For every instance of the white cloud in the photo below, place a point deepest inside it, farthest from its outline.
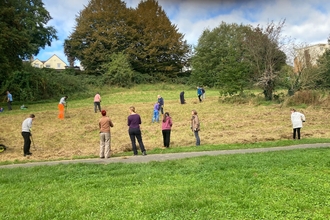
(307, 21)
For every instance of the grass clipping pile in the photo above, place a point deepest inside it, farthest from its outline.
(78, 134)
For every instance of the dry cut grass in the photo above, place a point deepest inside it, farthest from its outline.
(78, 134)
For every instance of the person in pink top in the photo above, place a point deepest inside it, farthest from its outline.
(166, 129)
(97, 102)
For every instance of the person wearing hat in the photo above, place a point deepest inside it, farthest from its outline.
(105, 138)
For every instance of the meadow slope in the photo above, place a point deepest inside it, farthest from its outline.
(77, 135)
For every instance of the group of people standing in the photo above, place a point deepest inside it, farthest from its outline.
(133, 122)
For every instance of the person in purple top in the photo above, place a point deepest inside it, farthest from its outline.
(155, 116)
(133, 122)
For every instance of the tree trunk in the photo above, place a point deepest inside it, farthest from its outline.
(268, 91)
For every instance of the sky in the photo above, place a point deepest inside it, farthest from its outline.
(306, 21)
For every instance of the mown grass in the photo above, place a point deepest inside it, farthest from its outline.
(273, 185)
(223, 125)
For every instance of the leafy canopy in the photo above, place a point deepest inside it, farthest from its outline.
(23, 33)
(145, 34)
(220, 59)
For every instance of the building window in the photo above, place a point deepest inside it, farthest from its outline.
(36, 65)
(47, 65)
(58, 65)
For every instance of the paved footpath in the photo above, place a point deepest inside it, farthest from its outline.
(170, 156)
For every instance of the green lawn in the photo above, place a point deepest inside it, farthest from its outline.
(274, 185)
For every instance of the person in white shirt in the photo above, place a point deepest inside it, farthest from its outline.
(297, 120)
(26, 133)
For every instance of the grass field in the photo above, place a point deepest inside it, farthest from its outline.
(274, 185)
(222, 125)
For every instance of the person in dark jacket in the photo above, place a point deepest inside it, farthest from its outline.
(161, 104)
(182, 100)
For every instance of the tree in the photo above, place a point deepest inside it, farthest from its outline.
(220, 59)
(145, 34)
(264, 48)
(304, 73)
(324, 70)
(67, 52)
(23, 33)
(102, 29)
(158, 46)
(118, 71)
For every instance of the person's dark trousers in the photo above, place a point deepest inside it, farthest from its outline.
(27, 142)
(182, 98)
(199, 97)
(166, 137)
(9, 105)
(162, 110)
(296, 130)
(97, 105)
(198, 140)
(136, 133)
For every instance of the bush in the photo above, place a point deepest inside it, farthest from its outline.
(34, 84)
(307, 97)
(242, 98)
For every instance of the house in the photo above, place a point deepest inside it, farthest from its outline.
(54, 62)
(307, 56)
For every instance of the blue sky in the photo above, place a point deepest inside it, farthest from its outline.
(307, 21)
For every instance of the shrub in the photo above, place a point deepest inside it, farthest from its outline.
(307, 97)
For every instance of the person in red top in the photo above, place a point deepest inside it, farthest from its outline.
(166, 129)
(97, 102)
(104, 124)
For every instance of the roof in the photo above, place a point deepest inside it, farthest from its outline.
(57, 57)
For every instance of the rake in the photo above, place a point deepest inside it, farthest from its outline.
(34, 147)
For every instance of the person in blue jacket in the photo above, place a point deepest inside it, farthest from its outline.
(199, 93)
(9, 100)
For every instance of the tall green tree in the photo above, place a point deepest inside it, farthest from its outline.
(24, 31)
(220, 59)
(323, 66)
(158, 46)
(264, 46)
(102, 28)
(145, 34)
(118, 71)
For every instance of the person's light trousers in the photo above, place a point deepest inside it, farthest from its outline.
(105, 145)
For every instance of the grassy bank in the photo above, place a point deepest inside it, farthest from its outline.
(223, 125)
